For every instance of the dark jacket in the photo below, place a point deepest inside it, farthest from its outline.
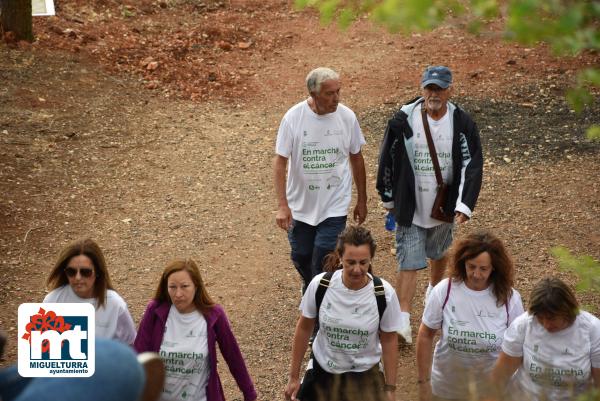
(396, 178)
(150, 336)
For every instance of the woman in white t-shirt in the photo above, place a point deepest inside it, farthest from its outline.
(184, 325)
(356, 331)
(472, 308)
(554, 348)
(80, 276)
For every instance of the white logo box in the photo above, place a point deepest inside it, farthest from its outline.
(44, 327)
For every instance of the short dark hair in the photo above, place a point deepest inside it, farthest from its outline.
(352, 235)
(89, 248)
(502, 276)
(552, 297)
(202, 300)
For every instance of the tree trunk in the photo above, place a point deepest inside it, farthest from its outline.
(16, 18)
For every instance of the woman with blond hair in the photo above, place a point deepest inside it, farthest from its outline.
(183, 324)
(472, 309)
(80, 276)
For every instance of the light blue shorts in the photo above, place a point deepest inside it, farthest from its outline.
(415, 244)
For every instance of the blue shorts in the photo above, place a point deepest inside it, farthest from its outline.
(415, 244)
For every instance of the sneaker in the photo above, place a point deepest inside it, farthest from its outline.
(155, 375)
(405, 335)
(427, 292)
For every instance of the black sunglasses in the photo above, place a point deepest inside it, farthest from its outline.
(84, 271)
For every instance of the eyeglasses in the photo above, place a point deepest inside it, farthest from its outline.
(85, 272)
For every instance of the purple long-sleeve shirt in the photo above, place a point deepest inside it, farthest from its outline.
(150, 335)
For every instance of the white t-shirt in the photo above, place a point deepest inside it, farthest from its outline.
(425, 183)
(113, 320)
(319, 179)
(472, 330)
(184, 350)
(348, 337)
(556, 366)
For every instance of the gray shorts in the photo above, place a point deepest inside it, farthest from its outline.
(415, 244)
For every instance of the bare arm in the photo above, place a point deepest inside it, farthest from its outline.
(357, 164)
(284, 214)
(389, 348)
(503, 370)
(304, 329)
(424, 360)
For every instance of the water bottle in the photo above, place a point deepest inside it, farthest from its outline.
(390, 222)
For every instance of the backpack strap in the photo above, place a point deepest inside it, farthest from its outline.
(323, 286)
(379, 296)
(378, 289)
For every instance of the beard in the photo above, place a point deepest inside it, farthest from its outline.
(434, 104)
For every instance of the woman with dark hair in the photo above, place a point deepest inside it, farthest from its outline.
(80, 275)
(358, 316)
(472, 308)
(554, 348)
(183, 324)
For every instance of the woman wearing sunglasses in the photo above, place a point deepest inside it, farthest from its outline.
(79, 276)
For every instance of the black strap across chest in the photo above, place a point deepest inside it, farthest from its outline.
(377, 289)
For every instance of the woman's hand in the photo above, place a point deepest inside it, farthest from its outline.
(291, 389)
(425, 391)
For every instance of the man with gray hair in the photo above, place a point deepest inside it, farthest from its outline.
(411, 182)
(322, 141)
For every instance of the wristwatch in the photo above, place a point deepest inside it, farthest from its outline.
(389, 387)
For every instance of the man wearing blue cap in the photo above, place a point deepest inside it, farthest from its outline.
(408, 181)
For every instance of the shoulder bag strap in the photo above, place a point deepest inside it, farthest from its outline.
(447, 293)
(432, 152)
(446, 300)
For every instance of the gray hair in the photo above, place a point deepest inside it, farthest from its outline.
(316, 77)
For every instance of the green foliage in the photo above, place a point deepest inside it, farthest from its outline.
(568, 26)
(585, 267)
(592, 395)
(593, 133)
(127, 12)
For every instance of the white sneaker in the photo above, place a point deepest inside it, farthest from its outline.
(405, 334)
(427, 292)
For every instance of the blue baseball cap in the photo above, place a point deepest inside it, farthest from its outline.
(437, 75)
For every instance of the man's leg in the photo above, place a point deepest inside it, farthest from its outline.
(439, 239)
(410, 254)
(438, 269)
(302, 238)
(325, 240)
(406, 283)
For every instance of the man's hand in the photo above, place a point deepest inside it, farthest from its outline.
(284, 217)
(460, 218)
(360, 212)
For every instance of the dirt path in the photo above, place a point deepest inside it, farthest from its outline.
(85, 151)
